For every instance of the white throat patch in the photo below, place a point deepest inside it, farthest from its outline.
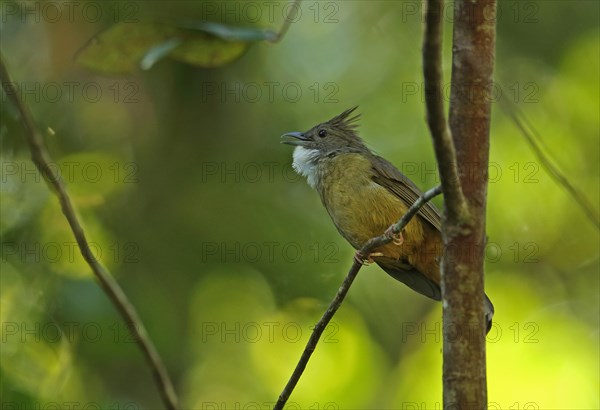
(305, 164)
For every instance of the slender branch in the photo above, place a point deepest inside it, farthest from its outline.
(370, 245)
(289, 19)
(316, 335)
(41, 159)
(445, 152)
(553, 170)
(399, 226)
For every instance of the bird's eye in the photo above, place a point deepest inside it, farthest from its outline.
(322, 133)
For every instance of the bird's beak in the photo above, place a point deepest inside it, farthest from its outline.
(294, 138)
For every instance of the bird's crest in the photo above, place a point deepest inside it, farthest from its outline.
(344, 120)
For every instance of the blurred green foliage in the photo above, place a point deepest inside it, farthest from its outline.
(124, 47)
(188, 197)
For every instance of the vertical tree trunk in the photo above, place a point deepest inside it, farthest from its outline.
(464, 372)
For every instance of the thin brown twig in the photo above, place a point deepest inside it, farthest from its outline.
(343, 290)
(445, 152)
(41, 159)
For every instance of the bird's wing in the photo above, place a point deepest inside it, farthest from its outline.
(411, 277)
(389, 177)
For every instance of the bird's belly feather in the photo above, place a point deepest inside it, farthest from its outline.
(362, 209)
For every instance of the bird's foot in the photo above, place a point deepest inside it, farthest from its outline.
(366, 260)
(397, 238)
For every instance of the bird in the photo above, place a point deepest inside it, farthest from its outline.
(364, 194)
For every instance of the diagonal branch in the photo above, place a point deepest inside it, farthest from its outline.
(445, 152)
(41, 159)
(530, 134)
(343, 290)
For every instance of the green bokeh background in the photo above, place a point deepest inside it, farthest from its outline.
(189, 199)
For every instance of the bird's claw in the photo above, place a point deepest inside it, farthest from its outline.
(397, 238)
(366, 260)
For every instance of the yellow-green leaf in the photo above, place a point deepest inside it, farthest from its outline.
(121, 48)
(204, 50)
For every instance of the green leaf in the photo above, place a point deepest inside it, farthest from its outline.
(119, 49)
(124, 47)
(204, 50)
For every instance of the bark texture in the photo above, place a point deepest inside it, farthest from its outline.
(464, 371)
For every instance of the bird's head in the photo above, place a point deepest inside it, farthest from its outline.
(325, 140)
(330, 137)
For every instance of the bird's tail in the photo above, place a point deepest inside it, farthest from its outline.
(488, 310)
